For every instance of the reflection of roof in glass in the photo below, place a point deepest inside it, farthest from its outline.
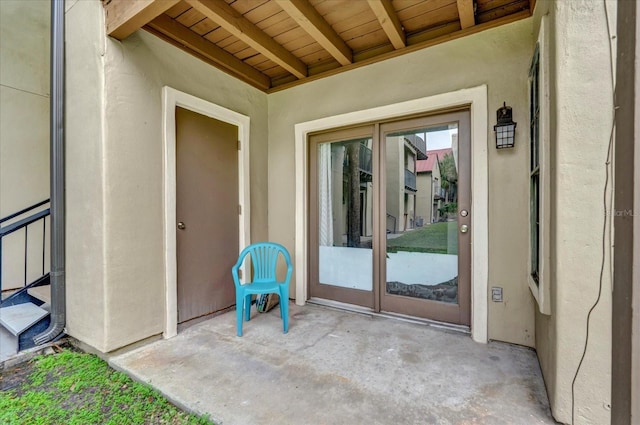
(426, 165)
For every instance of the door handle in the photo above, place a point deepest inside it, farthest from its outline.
(181, 225)
(464, 228)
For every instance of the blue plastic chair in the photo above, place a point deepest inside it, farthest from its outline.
(264, 257)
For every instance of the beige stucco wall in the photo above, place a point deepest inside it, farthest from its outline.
(129, 207)
(24, 125)
(435, 70)
(85, 174)
(581, 110)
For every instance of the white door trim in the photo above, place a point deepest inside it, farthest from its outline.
(476, 99)
(170, 99)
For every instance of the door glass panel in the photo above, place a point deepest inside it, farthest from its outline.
(345, 213)
(421, 213)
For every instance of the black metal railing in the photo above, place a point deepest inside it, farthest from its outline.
(24, 224)
(409, 180)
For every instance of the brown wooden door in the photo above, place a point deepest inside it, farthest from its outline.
(425, 264)
(207, 213)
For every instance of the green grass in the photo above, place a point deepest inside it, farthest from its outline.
(439, 238)
(77, 388)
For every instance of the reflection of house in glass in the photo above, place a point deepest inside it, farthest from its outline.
(403, 151)
(431, 194)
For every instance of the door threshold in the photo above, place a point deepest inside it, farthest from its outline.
(388, 315)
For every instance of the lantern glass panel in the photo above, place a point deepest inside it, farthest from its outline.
(505, 135)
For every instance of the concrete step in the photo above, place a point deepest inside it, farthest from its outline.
(18, 318)
(43, 293)
(8, 344)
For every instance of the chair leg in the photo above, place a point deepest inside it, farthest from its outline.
(247, 307)
(239, 308)
(284, 311)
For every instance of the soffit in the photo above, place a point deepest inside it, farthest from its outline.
(276, 44)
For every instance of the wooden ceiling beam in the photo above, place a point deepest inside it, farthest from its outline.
(465, 11)
(386, 14)
(314, 24)
(124, 17)
(233, 21)
(182, 35)
(412, 47)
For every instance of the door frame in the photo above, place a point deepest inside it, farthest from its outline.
(475, 99)
(171, 98)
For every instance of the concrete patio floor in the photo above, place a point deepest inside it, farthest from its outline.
(336, 367)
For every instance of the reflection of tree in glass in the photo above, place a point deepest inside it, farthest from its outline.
(353, 221)
(448, 170)
(449, 176)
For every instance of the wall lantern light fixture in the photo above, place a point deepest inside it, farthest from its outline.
(505, 128)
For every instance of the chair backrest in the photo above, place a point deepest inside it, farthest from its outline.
(264, 257)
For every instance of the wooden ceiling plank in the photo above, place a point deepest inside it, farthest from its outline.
(369, 41)
(183, 35)
(465, 11)
(400, 5)
(313, 58)
(258, 61)
(434, 18)
(204, 27)
(272, 20)
(177, 10)
(246, 53)
(313, 23)
(294, 39)
(231, 20)
(336, 11)
(281, 26)
(435, 32)
(245, 6)
(483, 6)
(262, 12)
(218, 35)
(124, 17)
(364, 29)
(383, 9)
(236, 47)
(505, 10)
(190, 17)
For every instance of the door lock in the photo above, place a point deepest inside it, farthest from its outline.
(181, 225)
(464, 228)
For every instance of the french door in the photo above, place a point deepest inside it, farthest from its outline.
(390, 214)
(342, 202)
